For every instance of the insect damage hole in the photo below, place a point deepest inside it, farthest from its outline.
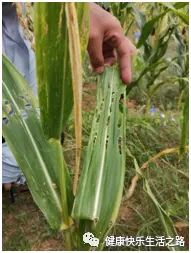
(101, 106)
(27, 103)
(5, 120)
(28, 106)
(112, 99)
(11, 112)
(98, 117)
(24, 115)
(95, 221)
(95, 138)
(106, 143)
(108, 120)
(120, 144)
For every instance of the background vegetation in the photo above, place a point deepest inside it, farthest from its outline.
(156, 101)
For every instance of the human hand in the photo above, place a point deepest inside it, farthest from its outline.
(106, 35)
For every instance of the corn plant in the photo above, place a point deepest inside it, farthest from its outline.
(152, 46)
(72, 205)
(35, 141)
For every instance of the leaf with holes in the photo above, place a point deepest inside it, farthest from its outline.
(101, 184)
(37, 158)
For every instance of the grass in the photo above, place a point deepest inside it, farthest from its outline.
(25, 228)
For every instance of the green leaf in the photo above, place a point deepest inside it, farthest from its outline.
(166, 222)
(139, 16)
(147, 29)
(184, 17)
(164, 218)
(83, 23)
(37, 158)
(101, 184)
(161, 46)
(53, 67)
(185, 126)
(180, 5)
(128, 28)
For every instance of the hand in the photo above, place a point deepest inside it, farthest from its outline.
(106, 35)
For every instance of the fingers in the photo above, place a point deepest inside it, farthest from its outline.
(125, 49)
(109, 56)
(95, 53)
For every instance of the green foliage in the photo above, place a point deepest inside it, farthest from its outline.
(185, 126)
(53, 67)
(38, 158)
(101, 184)
(100, 188)
(147, 29)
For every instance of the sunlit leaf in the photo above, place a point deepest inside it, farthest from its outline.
(147, 29)
(101, 184)
(37, 158)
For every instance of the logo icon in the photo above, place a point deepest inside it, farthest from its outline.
(90, 239)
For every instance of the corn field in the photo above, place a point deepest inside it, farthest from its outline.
(129, 151)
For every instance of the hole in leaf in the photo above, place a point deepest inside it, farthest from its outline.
(106, 143)
(98, 117)
(121, 106)
(120, 144)
(122, 96)
(11, 112)
(119, 121)
(5, 120)
(27, 102)
(112, 100)
(95, 220)
(101, 106)
(108, 120)
(24, 115)
(6, 102)
(95, 138)
(28, 106)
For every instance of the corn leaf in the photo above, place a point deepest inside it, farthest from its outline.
(180, 5)
(37, 158)
(166, 222)
(76, 61)
(161, 46)
(83, 23)
(53, 67)
(59, 66)
(182, 16)
(101, 184)
(147, 29)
